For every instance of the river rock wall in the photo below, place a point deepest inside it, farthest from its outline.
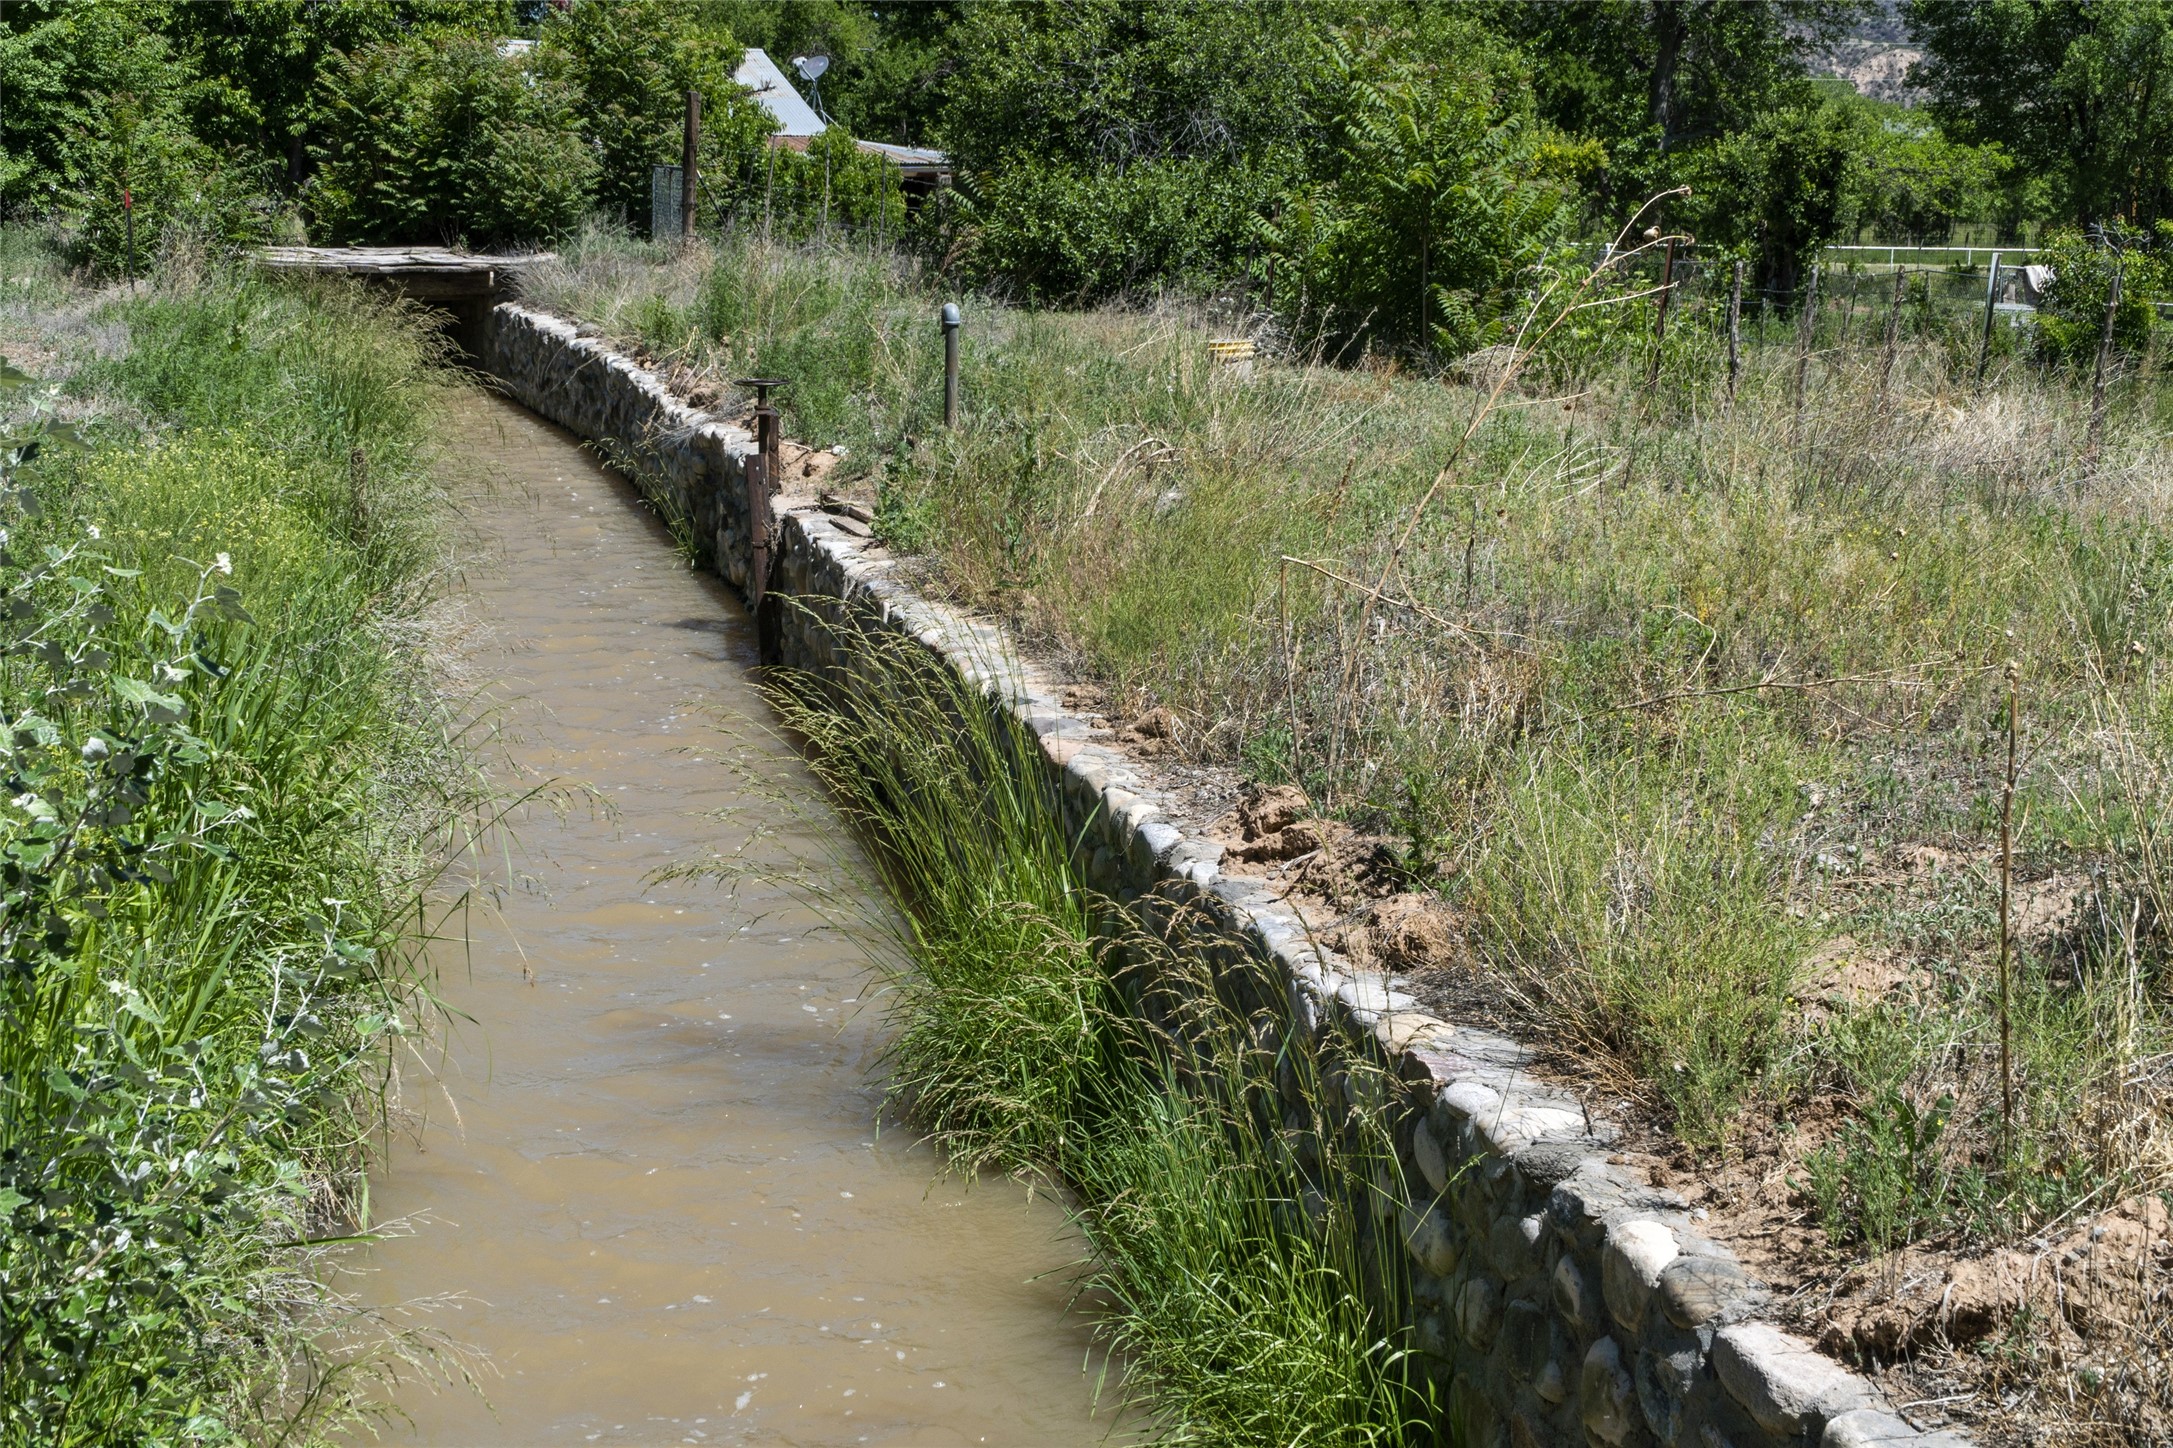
(1558, 1298)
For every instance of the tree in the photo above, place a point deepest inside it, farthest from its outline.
(1077, 128)
(1778, 190)
(258, 63)
(1654, 79)
(633, 61)
(2080, 91)
(442, 139)
(1444, 189)
(95, 126)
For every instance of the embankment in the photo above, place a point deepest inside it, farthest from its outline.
(1559, 1298)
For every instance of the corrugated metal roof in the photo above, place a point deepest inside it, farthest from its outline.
(794, 116)
(910, 158)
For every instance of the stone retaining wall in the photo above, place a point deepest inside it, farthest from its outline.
(1561, 1300)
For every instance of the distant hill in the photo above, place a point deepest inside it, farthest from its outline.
(1875, 57)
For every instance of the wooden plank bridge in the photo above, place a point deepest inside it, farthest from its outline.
(464, 284)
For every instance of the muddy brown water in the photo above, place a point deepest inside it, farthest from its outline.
(650, 1177)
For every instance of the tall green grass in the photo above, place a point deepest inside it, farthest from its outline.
(1686, 691)
(226, 769)
(1232, 1202)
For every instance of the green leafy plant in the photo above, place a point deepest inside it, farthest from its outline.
(1886, 1181)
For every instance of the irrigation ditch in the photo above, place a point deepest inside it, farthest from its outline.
(1546, 1294)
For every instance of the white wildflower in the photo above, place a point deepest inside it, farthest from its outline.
(223, 564)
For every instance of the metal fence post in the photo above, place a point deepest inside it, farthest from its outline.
(1806, 333)
(1735, 331)
(950, 364)
(1659, 321)
(2105, 354)
(1991, 300)
(689, 164)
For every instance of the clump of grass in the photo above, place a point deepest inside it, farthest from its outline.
(1229, 1198)
(217, 718)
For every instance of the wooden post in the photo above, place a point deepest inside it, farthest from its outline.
(1659, 321)
(1893, 334)
(1735, 331)
(2105, 355)
(690, 164)
(1991, 301)
(1806, 327)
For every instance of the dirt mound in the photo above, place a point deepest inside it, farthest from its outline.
(2088, 1292)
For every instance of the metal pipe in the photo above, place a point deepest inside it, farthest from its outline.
(761, 471)
(950, 364)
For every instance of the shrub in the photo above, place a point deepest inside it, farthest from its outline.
(1440, 196)
(443, 140)
(97, 111)
(2071, 315)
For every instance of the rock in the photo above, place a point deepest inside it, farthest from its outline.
(1285, 844)
(1469, 1101)
(1514, 1245)
(1431, 1240)
(1667, 1373)
(1157, 723)
(1606, 1399)
(1433, 1336)
(1432, 1165)
(1478, 1311)
(1696, 1291)
(1782, 1381)
(1575, 1301)
(1549, 1162)
(1525, 1343)
(1868, 1428)
(1630, 1267)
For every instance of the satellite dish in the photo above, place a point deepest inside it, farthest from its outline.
(811, 67)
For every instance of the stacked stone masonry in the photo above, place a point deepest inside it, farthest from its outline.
(1561, 1299)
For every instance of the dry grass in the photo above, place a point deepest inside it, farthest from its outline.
(1683, 692)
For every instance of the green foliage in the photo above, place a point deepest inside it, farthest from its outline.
(1886, 1180)
(1635, 887)
(1069, 235)
(831, 188)
(2075, 89)
(204, 895)
(97, 113)
(1441, 194)
(1102, 145)
(1656, 82)
(631, 62)
(1916, 181)
(2071, 315)
(1780, 189)
(445, 140)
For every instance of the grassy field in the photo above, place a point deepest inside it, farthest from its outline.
(227, 770)
(1695, 709)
